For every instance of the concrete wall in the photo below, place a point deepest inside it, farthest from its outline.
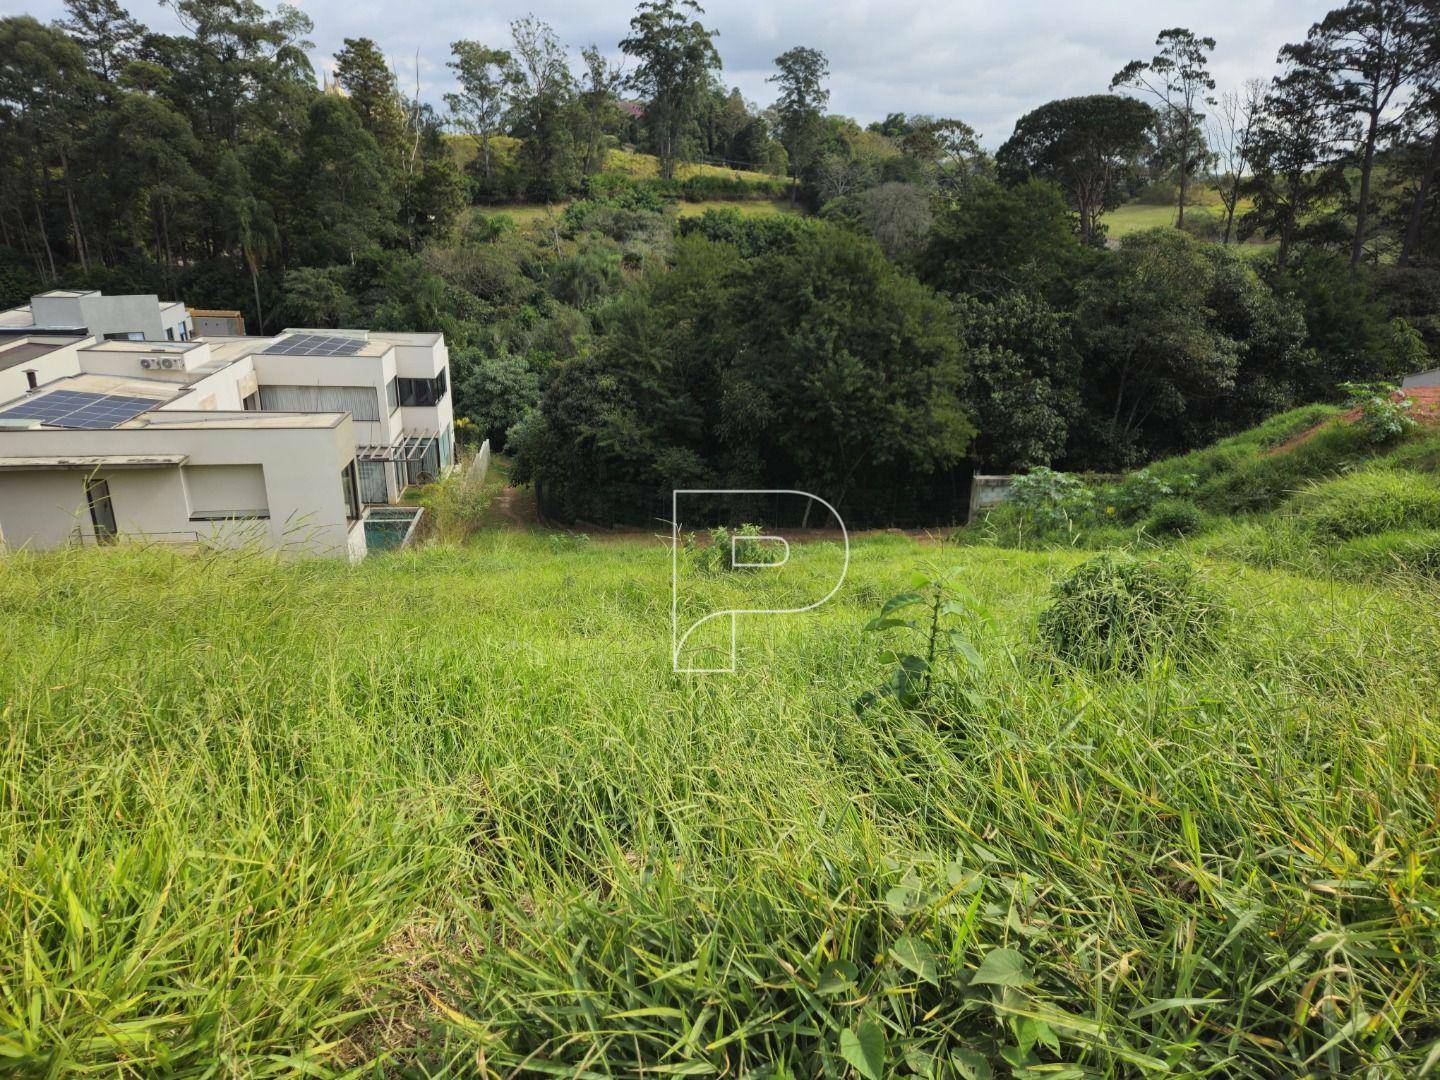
(218, 326)
(224, 390)
(301, 467)
(60, 364)
(1421, 380)
(145, 364)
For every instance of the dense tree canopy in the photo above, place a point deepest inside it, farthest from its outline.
(919, 309)
(1087, 145)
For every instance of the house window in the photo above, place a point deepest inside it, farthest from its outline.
(422, 392)
(351, 492)
(251, 401)
(373, 488)
(126, 335)
(226, 492)
(170, 333)
(102, 510)
(361, 402)
(392, 395)
(447, 448)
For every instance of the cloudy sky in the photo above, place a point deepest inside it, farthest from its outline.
(984, 61)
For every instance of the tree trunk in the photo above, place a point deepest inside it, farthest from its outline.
(1362, 212)
(1284, 253)
(252, 262)
(1231, 205)
(1184, 172)
(74, 217)
(1417, 208)
(45, 239)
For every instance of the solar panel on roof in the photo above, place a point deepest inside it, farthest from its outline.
(316, 345)
(77, 409)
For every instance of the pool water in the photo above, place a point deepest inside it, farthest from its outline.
(387, 527)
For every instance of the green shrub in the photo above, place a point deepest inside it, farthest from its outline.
(1050, 501)
(1173, 517)
(716, 556)
(1365, 503)
(1116, 611)
(1385, 413)
(1138, 493)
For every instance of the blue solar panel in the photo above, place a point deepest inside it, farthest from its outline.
(77, 409)
(316, 345)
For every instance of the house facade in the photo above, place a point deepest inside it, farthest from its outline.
(287, 441)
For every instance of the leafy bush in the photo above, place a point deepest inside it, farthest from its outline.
(1385, 413)
(1116, 611)
(1365, 503)
(1051, 501)
(1141, 491)
(1173, 517)
(727, 550)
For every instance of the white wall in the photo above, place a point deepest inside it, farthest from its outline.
(219, 326)
(301, 467)
(370, 371)
(60, 364)
(130, 363)
(224, 390)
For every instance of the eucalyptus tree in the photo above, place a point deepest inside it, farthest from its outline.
(541, 113)
(1178, 77)
(105, 31)
(800, 74)
(47, 99)
(675, 60)
(488, 79)
(1369, 53)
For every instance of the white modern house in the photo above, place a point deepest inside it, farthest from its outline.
(141, 317)
(295, 441)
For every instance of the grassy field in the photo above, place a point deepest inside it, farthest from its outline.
(527, 215)
(450, 811)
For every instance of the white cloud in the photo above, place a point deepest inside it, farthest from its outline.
(984, 62)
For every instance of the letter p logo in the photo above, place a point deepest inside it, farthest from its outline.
(744, 572)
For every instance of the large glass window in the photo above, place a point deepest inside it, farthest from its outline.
(422, 391)
(361, 402)
(372, 482)
(392, 395)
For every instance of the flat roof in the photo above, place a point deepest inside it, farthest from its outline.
(214, 418)
(407, 338)
(122, 345)
(17, 316)
(28, 350)
(69, 294)
(214, 313)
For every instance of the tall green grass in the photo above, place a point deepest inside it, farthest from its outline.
(450, 812)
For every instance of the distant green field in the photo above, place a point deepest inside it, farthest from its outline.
(528, 215)
(1139, 216)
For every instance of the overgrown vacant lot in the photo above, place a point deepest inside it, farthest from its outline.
(451, 812)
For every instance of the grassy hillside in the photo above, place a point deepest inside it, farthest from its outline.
(1308, 491)
(451, 808)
